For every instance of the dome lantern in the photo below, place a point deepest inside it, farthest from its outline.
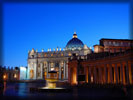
(74, 35)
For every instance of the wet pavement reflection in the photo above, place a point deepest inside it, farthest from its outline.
(21, 90)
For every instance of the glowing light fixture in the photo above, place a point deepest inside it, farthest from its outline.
(15, 75)
(52, 69)
(4, 77)
(91, 78)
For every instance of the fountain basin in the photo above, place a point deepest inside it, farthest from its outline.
(47, 89)
(51, 82)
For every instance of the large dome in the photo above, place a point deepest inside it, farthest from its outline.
(74, 43)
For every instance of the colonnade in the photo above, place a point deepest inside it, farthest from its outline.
(113, 73)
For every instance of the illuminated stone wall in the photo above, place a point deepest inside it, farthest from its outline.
(103, 68)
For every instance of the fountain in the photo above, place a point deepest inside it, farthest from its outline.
(51, 81)
(51, 84)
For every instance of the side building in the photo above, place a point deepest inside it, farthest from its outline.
(111, 63)
(9, 74)
(113, 45)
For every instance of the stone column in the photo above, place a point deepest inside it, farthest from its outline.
(60, 71)
(86, 73)
(64, 71)
(35, 70)
(110, 71)
(47, 69)
(49, 66)
(95, 75)
(90, 74)
(121, 74)
(69, 73)
(41, 69)
(124, 74)
(105, 74)
(116, 73)
(127, 72)
(130, 73)
(100, 75)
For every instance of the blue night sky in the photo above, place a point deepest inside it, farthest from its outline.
(48, 25)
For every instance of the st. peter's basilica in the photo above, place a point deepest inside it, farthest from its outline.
(40, 63)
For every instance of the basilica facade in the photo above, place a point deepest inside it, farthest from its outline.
(40, 63)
